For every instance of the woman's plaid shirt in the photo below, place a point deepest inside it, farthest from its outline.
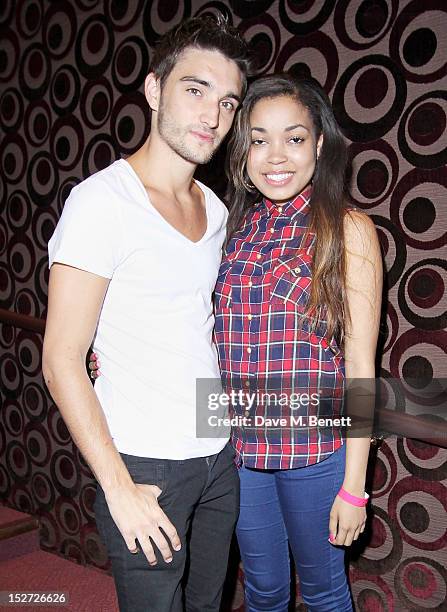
(266, 345)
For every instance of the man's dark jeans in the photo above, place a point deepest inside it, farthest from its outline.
(200, 496)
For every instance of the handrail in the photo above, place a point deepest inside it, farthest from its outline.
(398, 423)
(411, 426)
(9, 317)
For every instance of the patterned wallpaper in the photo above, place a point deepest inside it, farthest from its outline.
(71, 74)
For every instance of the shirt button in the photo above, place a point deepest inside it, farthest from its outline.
(250, 284)
(297, 269)
(272, 230)
(248, 350)
(250, 317)
(258, 256)
(280, 209)
(247, 383)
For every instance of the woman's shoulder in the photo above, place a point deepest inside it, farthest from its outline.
(355, 221)
(359, 230)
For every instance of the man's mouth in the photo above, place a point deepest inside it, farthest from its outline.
(204, 136)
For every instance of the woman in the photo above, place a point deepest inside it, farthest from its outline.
(297, 301)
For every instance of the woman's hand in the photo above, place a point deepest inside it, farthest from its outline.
(93, 366)
(346, 522)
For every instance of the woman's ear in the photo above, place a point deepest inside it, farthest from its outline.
(152, 91)
(319, 145)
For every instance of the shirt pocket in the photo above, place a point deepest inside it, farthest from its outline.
(290, 282)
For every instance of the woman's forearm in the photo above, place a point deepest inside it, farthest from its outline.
(357, 453)
(360, 404)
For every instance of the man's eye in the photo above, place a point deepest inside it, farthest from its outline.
(228, 105)
(194, 91)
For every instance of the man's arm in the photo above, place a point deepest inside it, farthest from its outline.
(74, 303)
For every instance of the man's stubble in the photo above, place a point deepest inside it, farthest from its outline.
(175, 136)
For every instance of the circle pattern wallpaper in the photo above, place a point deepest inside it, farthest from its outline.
(71, 102)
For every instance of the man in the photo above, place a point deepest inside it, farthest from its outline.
(134, 260)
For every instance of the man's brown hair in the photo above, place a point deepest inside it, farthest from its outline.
(209, 32)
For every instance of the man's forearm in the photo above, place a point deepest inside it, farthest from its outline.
(69, 385)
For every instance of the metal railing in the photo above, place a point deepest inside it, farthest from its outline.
(9, 317)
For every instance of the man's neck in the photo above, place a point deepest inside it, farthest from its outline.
(160, 168)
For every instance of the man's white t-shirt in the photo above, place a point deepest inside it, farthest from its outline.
(154, 336)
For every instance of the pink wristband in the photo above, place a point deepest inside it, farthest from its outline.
(353, 499)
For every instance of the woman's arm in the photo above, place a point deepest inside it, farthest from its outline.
(364, 294)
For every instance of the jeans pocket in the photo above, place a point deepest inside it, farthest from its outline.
(148, 471)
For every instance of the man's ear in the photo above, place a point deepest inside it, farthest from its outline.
(152, 91)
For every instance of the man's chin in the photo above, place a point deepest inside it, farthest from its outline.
(199, 157)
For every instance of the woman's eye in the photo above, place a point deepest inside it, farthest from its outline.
(257, 141)
(296, 139)
(194, 91)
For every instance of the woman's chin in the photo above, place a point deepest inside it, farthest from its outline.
(281, 193)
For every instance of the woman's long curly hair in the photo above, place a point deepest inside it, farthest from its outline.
(327, 205)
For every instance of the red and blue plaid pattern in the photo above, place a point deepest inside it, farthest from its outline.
(265, 343)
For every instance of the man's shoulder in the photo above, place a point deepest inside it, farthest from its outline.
(109, 180)
(101, 196)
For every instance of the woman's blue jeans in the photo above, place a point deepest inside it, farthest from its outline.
(291, 507)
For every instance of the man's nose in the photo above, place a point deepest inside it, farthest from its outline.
(210, 115)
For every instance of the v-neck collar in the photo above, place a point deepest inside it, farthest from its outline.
(158, 213)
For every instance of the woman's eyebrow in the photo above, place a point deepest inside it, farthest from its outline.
(287, 129)
(297, 125)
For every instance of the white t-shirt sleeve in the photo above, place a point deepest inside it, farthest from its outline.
(88, 235)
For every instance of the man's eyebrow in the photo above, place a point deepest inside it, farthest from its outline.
(193, 79)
